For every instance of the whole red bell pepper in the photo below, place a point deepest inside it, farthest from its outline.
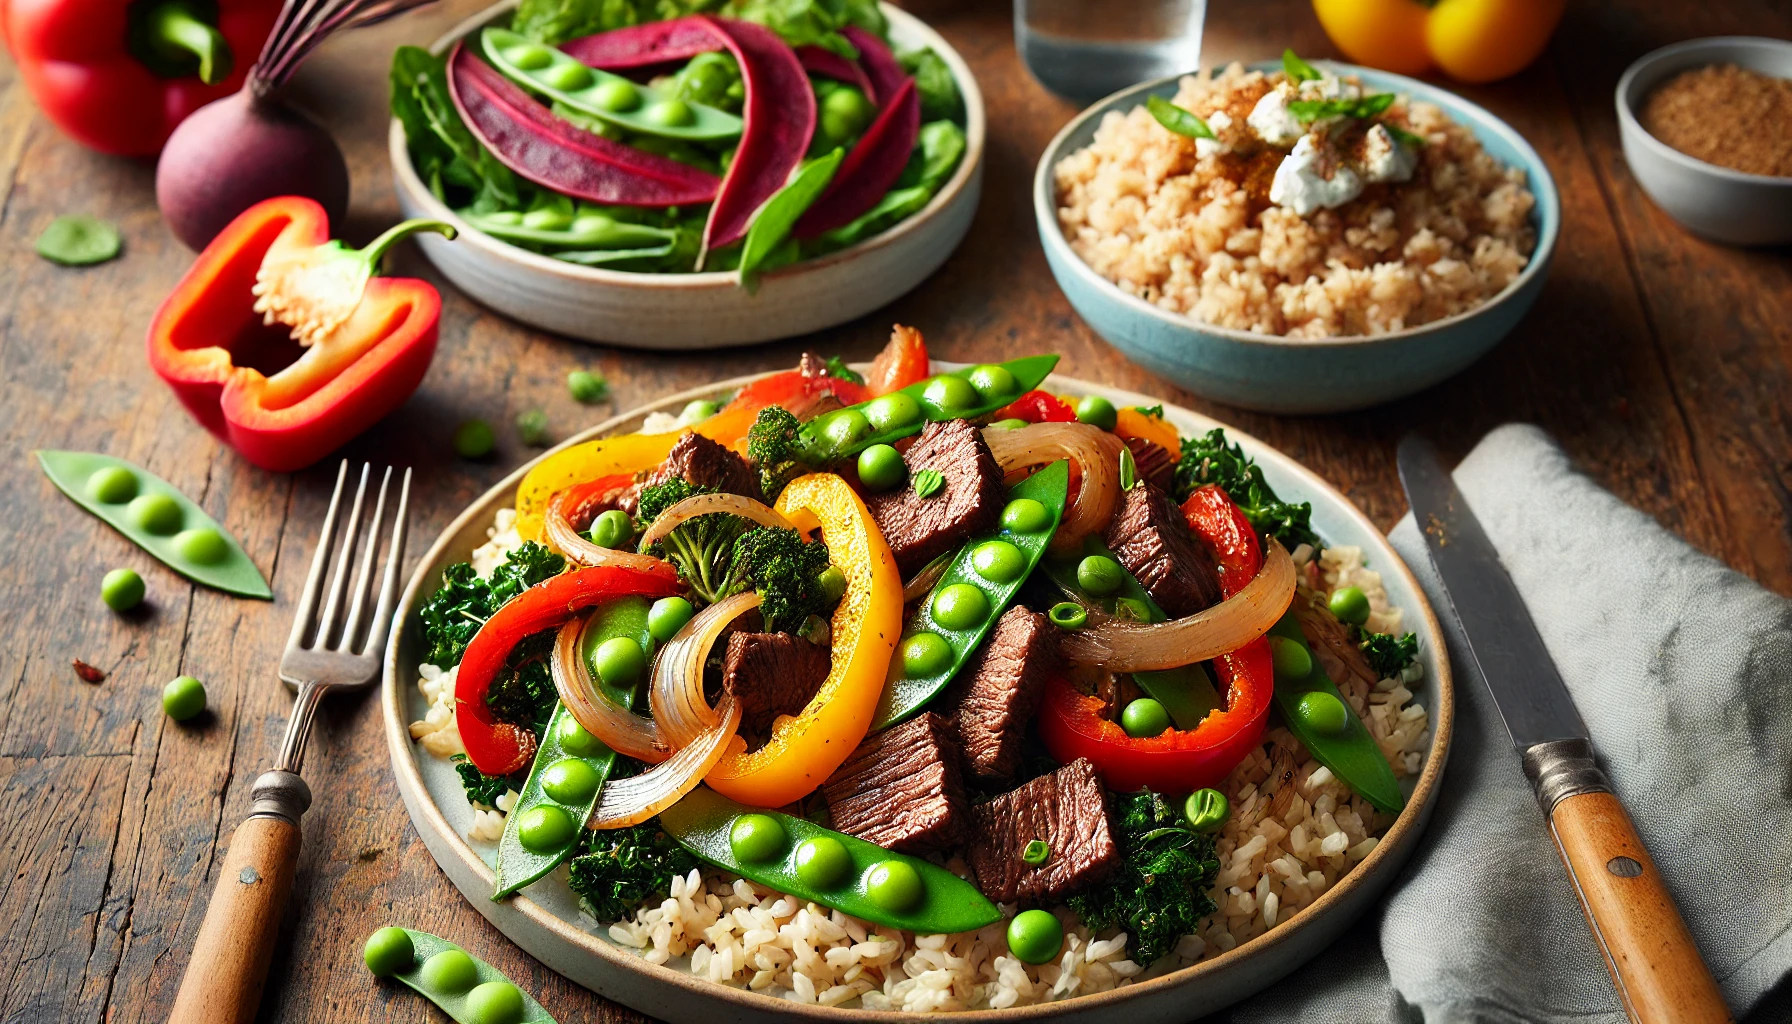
(1179, 761)
(119, 75)
(363, 342)
(501, 748)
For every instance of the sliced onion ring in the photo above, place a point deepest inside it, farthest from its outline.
(1096, 453)
(624, 731)
(680, 710)
(1120, 646)
(633, 800)
(705, 504)
(578, 549)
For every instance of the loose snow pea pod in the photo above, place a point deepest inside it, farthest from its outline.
(870, 883)
(1350, 752)
(587, 229)
(608, 97)
(821, 446)
(943, 633)
(771, 224)
(157, 518)
(571, 765)
(466, 988)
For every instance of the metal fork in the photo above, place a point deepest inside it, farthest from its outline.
(327, 651)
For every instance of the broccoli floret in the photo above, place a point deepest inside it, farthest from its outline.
(702, 548)
(619, 869)
(1388, 655)
(1210, 460)
(774, 447)
(785, 570)
(1159, 893)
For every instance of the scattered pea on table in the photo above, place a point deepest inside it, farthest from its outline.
(474, 439)
(532, 425)
(183, 698)
(587, 387)
(122, 589)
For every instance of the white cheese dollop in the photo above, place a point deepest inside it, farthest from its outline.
(1299, 186)
(1386, 158)
(1221, 123)
(1273, 122)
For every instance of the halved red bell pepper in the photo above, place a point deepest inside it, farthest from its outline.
(1179, 761)
(902, 362)
(501, 748)
(1038, 407)
(363, 342)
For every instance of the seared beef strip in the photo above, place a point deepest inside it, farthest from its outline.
(1067, 810)
(704, 463)
(1153, 462)
(998, 690)
(1151, 538)
(920, 529)
(773, 674)
(900, 789)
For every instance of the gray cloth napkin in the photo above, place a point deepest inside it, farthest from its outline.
(1682, 669)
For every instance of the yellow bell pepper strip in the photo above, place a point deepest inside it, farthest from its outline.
(606, 456)
(803, 751)
(1469, 40)
(1159, 431)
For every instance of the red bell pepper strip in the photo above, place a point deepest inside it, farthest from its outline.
(501, 748)
(1072, 725)
(118, 76)
(367, 340)
(902, 362)
(778, 122)
(1038, 407)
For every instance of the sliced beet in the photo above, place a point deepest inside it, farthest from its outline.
(871, 169)
(829, 64)
(779, 118)
(640, 46)
(527, 138)
(880, 65)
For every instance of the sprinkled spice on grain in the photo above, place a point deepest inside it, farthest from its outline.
(1726, 115)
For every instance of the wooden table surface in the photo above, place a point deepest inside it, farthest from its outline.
(1659, 361)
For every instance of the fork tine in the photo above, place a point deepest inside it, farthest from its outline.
(329, 620)
(314, 580)
(382, 618)
(364, 576)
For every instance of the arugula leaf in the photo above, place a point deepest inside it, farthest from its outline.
(1210, 460)
(940, 98)
(1298, 69)
(1176, 119)
(1158, 894)
(1364, 107)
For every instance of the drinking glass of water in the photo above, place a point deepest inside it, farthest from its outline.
(1085, 49)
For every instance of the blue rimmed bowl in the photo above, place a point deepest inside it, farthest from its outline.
(1283, 375)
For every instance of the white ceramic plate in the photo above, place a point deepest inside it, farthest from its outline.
(545, 920)
(699, 311)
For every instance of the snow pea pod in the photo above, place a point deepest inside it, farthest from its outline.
(948, 396)
(772, 223)
(466, 988)
(608, 97)
(799, 857)
(602, 257)
(1343, 743)
(952, 621)
(571, 765)
(585, 229)
(156, 517)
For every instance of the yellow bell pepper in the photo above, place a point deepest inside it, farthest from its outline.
(1469, 40)
(803, 751)
(1156, 429)
(606, 456)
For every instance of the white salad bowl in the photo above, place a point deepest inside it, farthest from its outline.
(706, 310)
(545, 919)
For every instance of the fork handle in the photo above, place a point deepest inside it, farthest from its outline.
(230, 957)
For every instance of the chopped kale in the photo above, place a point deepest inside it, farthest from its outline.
(619, 869)
(456, 611)
(526, 566)
(481, 788)
(1210, 460)
(1159, 892)
(523, 692)
(1388, 655)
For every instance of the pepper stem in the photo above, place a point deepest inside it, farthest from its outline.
(376, 249)
(175, 33)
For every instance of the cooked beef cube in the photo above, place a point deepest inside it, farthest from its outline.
(704, 463)
(900, 789)
(629, 498)
(773, 674)
(998, 690)
(1151, 538)
(1066, 810)
(1153, 462)
(920, 529)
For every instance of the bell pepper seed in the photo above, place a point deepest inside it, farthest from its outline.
(113, 485)
(757, 837)
(925, 654)
(1100, 575)
(449, 971)
(570, 780)
(960, 606)
(529, 58)
(1035, 937)
(1292, 662)
(992, 382)
(822, 862)
(1036, 853)
(389, 951)
(998, 561)
(1026, 515)
(894, 885)
(155, 513)
(1068, 615)
(667, 616)
(1323, 712)
(183, 698)
(495, 1002)
(575, 739)
(949, 395)
(617, 95)
(888, 412)
(1206, 810)
(122, 589)
(1350, 605)
(202, 544)
(545, 828)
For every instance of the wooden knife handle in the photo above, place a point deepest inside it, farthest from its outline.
(1654, 962)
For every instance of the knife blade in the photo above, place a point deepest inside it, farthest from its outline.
(1654, 962)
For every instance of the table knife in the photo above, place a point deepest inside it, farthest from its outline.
(1654, 963)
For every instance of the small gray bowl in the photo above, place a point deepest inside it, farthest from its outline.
(1276, 374)
(1709, 201)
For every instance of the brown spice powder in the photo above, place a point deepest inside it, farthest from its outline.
(1725, 115)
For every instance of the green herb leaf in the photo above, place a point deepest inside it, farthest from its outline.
(1156, 411)
(1364, 107)
(620, 869)
(1129, 470)
(1389, 655)
(837, 369)
(929, 482)
(1400, 134)
(1176, 119)
(77, 240)
(1298, 69)
(773, 221)
(1210, 460)
(1036, 853)
(1159, 892)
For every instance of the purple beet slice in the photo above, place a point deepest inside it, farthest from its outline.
(880, 65)
(779, 120)
(829, 64)
(640, 46)
(871, 169)
(527, 138)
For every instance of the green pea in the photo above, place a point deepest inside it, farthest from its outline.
(474, 439)
(113, 485)
(1035, 936)
(998, 561)
(1011, 424)
(202, 544)
(389, 951)
(881, 468)
(845, 427)
(667, 616)
(612, 529)
(1206, 810)
(545, 827)
(586, 387)
(697, 410)
(672, 113)
(1132, 608)
(122, 589)
(893, 885)
(960, 606)
(992, 382)
(925, 654)
(757, 838)
(529, 58)
(449, 971)
(948, 395)
(155, 513)
(1323, 712)
(1292, 662)
(569, 76)
(849, 110)
(888, 412)
(576, 739)
(532, 424)
(618, 95)
(1350, 605)
(495, 1002)
(1026, 515)
(570, 780)
(183, 698)
(1100, 575)
(1068, 615)
(1144, 718)
(619, 661)
(1097, 412)
(548, 220)
(822, 862)
(832, 582)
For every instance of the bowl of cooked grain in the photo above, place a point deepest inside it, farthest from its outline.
(1707, 131)
(1306, 238)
